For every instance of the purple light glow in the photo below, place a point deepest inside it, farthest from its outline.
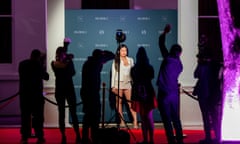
(230, 125)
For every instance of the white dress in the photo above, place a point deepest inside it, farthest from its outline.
(124, 75)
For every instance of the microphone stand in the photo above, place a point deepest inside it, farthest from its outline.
(118, 92)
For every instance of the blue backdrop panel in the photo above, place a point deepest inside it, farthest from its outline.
(91, 29)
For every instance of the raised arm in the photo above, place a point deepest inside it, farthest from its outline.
(161, 41)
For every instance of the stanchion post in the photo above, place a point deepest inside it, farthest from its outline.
(103, 103)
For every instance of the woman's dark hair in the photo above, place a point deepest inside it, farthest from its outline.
(117, 56)
(141, 57)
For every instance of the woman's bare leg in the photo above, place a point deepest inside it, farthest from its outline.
(127, 93)
(119, 106)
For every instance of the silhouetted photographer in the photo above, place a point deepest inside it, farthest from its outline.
(90, 93)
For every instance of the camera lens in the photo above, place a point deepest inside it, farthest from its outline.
(120, 36)
(119, 33)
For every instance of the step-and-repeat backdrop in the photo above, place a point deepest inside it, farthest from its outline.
(91, 29)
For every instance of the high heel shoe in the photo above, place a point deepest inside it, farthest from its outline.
(135, 126)
(122, 125)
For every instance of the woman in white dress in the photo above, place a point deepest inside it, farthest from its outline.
(121, 67)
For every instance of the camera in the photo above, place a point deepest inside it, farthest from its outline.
(120, 36)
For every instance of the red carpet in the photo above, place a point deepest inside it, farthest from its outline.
(52, 135)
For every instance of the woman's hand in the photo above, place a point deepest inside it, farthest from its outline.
(114, 90)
